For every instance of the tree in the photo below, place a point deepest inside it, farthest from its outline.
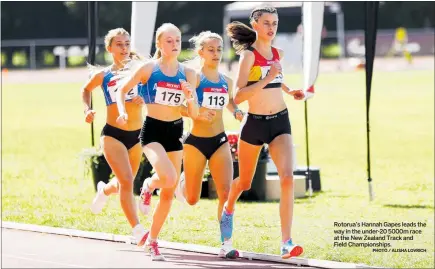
(29, 20)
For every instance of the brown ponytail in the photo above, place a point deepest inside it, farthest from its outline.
(241, 35)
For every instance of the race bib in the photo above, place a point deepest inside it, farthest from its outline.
(265, 70)
(215, 98)
(113, 86)
(169, 94)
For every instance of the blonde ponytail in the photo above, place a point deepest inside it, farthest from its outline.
(157, 54)
(136, 56)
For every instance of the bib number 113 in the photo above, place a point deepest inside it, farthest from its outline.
(216, 100)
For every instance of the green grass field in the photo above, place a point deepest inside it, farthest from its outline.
(42, 179)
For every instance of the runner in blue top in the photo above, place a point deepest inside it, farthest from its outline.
(120, 143)
(166, 86)
(207, 140)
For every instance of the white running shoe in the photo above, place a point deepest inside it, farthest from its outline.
(100, 199)
(227, 250)
(140, 235)
(179, 193)
(152, 248)
(144, 203)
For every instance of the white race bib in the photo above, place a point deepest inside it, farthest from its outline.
(113, 86)
(169, 94)
(265, 70)
(215, 98)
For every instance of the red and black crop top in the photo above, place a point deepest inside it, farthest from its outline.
(261, 68)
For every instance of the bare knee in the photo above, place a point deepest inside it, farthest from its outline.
(192, 200)
(166, 196)
(124, 179)
(124, 184)
(168, 178)
(245, 184)
(286, 180)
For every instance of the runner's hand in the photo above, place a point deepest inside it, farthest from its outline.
(122, 119)
(89, 115)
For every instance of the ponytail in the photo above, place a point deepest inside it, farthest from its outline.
(135, 59)
(193, 63)
(134, 62)
(93, 69)
(241, 35)
(157, 54)
(136, 56)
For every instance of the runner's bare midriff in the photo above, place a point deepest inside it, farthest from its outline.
(208, 129)
(163, 112)
(267, 102)
(134, 112)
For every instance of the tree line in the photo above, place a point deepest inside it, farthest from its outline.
(32, 20)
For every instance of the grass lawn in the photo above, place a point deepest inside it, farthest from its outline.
(42, 179)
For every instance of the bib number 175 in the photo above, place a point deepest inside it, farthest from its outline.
(169, 96)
